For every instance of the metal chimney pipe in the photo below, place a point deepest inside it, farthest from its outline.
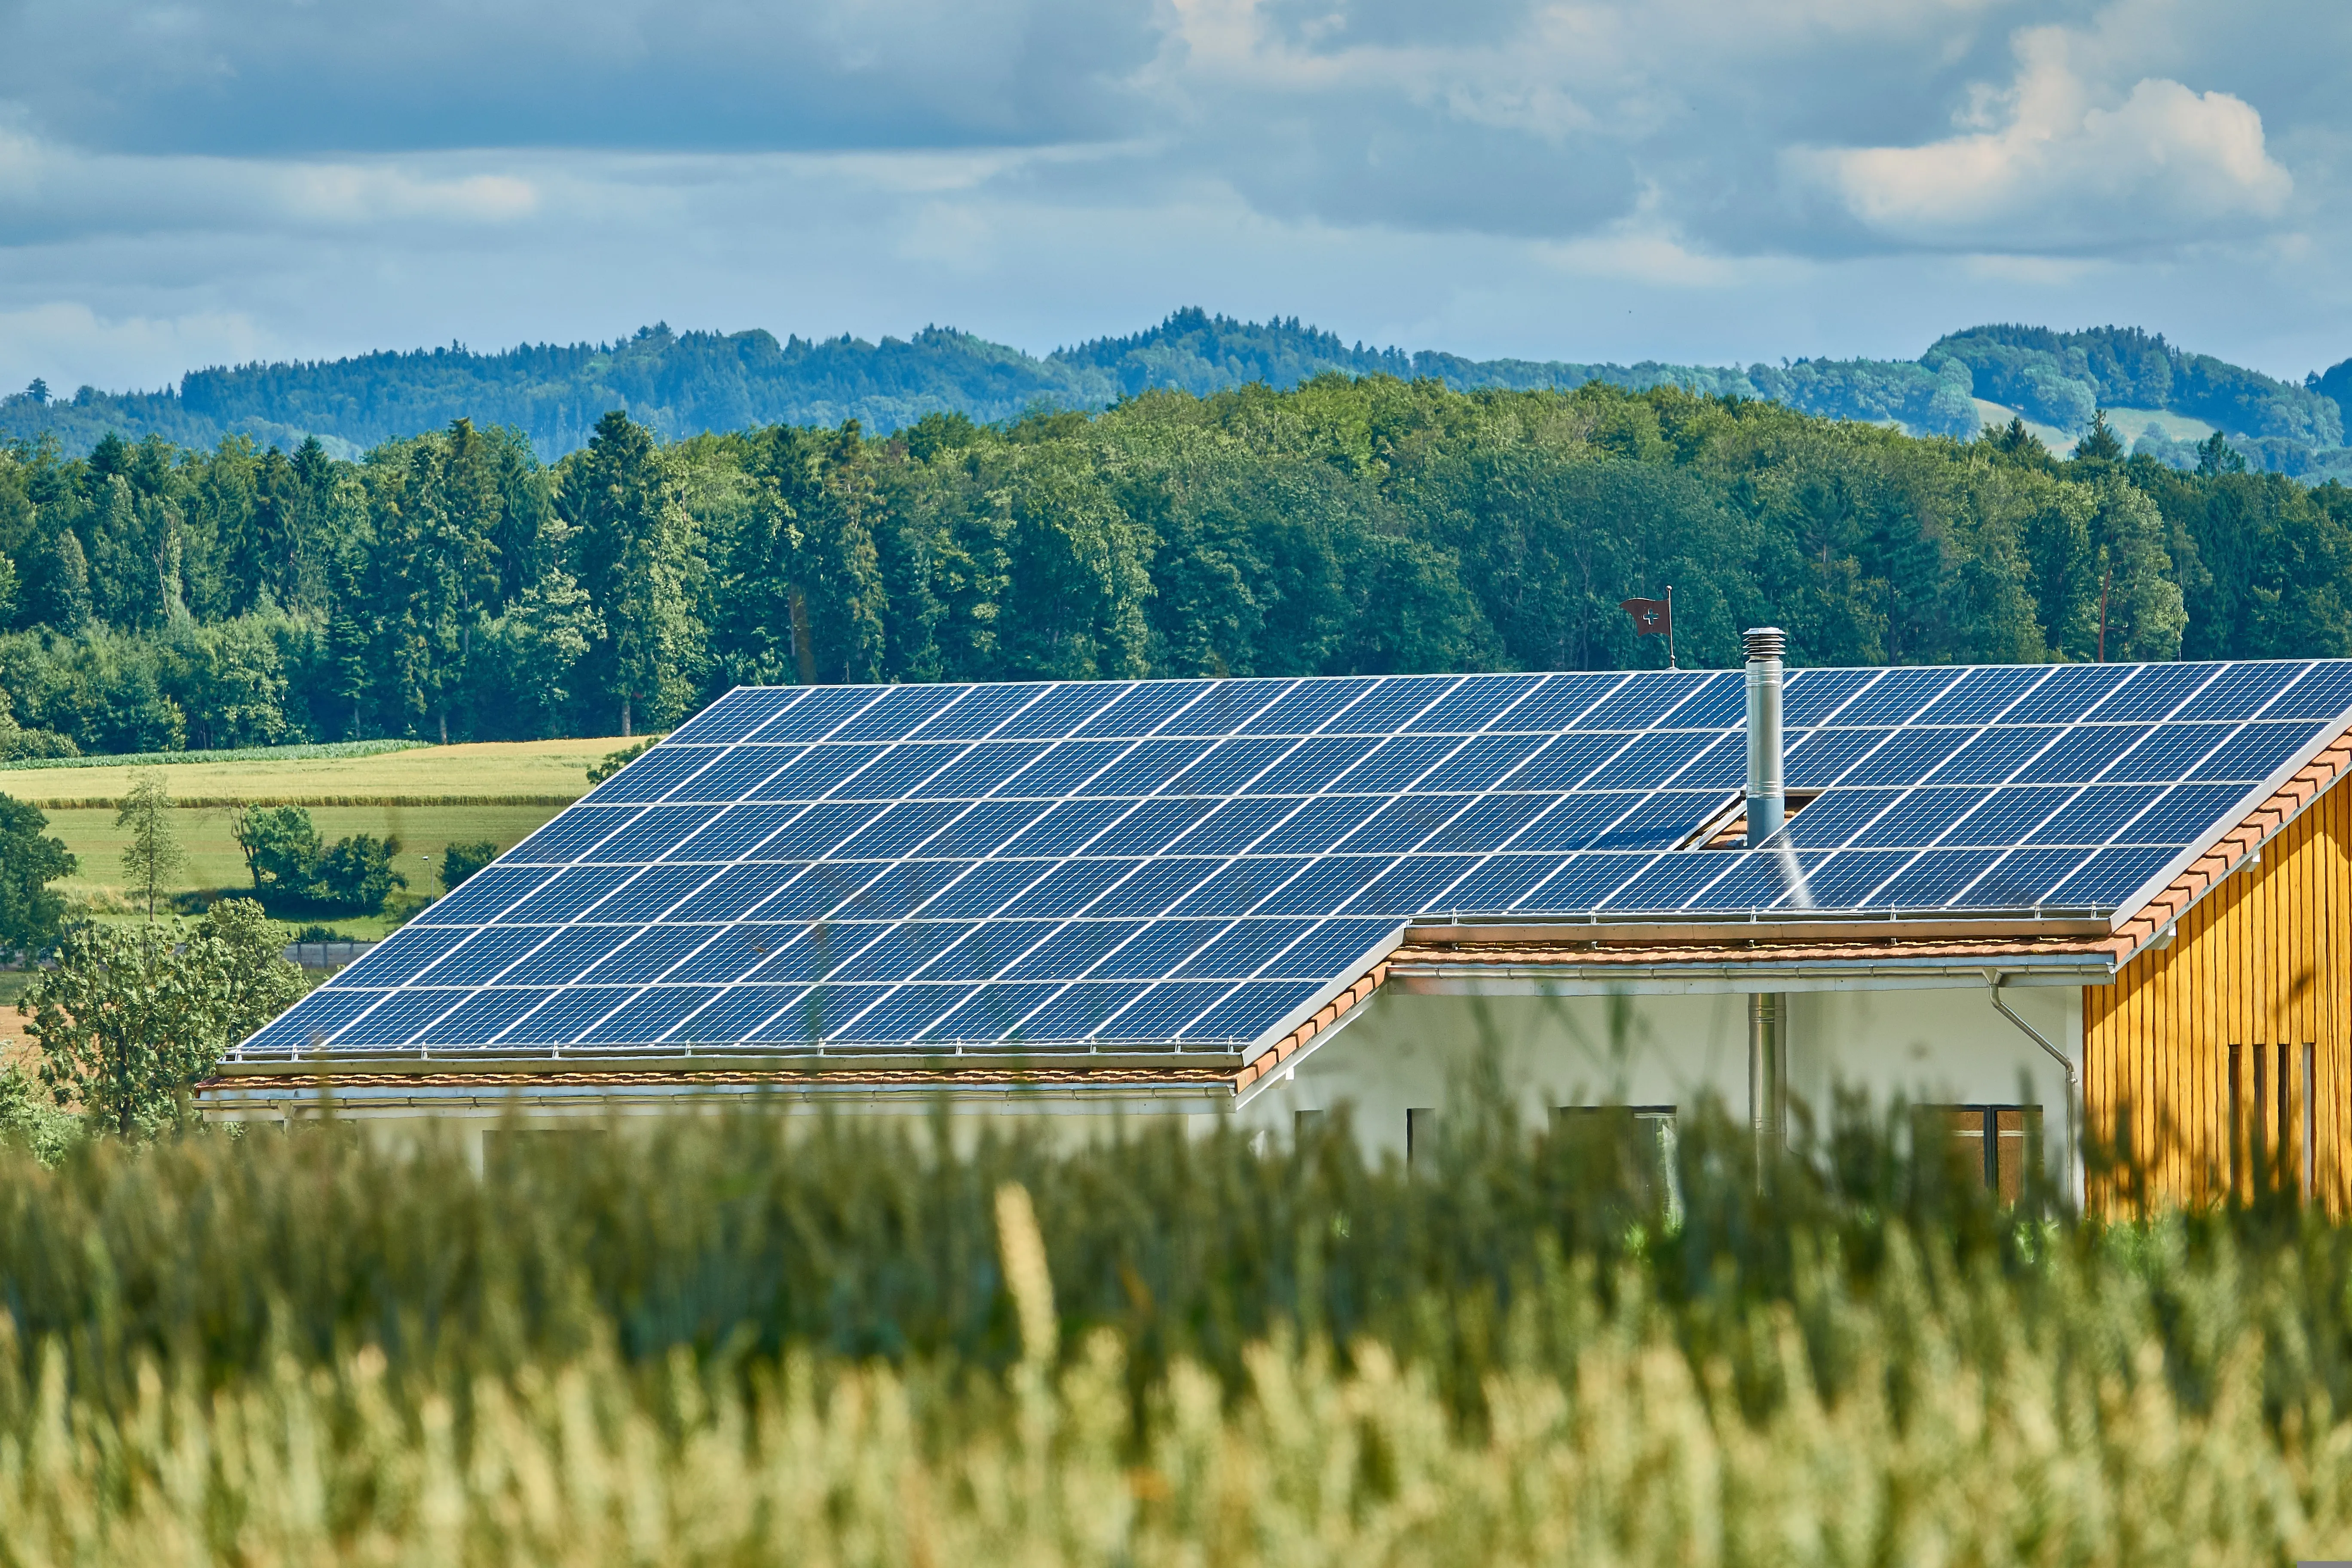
(1766, 794)
(1768, 808)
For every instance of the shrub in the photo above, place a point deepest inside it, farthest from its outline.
(357, 873)
(459, 861)
(291, 871)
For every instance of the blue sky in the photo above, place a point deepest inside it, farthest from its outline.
(208, 181)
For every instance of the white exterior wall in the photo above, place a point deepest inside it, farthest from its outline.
(1405, 1051)
(1402, 1051)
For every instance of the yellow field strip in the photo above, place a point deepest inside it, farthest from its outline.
(108, 801)
(523, 773)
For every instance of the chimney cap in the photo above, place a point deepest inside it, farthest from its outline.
(1765, 643)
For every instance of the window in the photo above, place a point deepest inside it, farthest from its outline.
(1420, 1135)
(2000, 1142)
(2263, 1134)
(1641, 1136)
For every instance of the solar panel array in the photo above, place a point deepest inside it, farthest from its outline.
(1187, 864)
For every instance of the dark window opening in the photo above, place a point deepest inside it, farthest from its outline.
(1420, 1135)
(2264, 1134)
(1640, 1137)
(2000, 1144)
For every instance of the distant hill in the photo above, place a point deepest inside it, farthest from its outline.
(686, 382)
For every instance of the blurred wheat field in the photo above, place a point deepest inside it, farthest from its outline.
(743, 1341)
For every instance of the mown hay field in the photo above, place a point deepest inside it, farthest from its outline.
(753, 1340)
(521, 772)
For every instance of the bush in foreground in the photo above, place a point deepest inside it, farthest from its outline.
(747, 1342)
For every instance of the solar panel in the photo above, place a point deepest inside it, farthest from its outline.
(1184, 864)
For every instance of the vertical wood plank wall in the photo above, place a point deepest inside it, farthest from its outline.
(2265, 958)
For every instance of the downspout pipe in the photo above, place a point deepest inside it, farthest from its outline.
(1994, 980)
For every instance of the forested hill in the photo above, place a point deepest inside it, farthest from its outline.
(688, 383)
(452, 585)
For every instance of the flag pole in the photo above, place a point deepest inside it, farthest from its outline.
(1669, 628)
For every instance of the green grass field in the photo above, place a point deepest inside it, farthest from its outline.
(428, 798)
(215, 867)
(538, 773)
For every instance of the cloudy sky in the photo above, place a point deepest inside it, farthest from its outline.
(202, 181)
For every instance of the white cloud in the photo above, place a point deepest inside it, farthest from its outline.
(120, 352)
(1680, 179)
(2058, 164)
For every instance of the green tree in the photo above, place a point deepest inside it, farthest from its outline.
(281, 850)
(636, 548)
(128, 1019)
(152, 856)
(2216, 456)
(31, 911)
(357, 873)
(2146, 614)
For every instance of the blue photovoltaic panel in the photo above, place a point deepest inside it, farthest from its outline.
(2156, 692)
(1982, 694)
(1847, 878)
(2256, 752)
(1250, 1011)
(1185, 864)
(1305, 709)
(402, 956)
(488, 953)
(565, 1016)
(2241, 690)
(1810, 696)
(2325, 692)
(2067, 694)
(1226, 707)
(1159, 949)
(1835, 819)
(992, 1012)
(648, 1015)
(1823, 757)
(1473, 704)
(398, 1017)
(735, 715)
(654, 775)
(735, 774)
(1896, 696)
(482, 1016)
(987, 951)
(1560, 703)
(739, 1012)
(1392, 706)
(901, 712)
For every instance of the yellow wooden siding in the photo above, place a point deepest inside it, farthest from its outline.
(2265, 960)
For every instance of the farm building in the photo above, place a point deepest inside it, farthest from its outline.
(2033, 898)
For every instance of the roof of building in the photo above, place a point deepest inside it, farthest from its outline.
(1213, 866)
